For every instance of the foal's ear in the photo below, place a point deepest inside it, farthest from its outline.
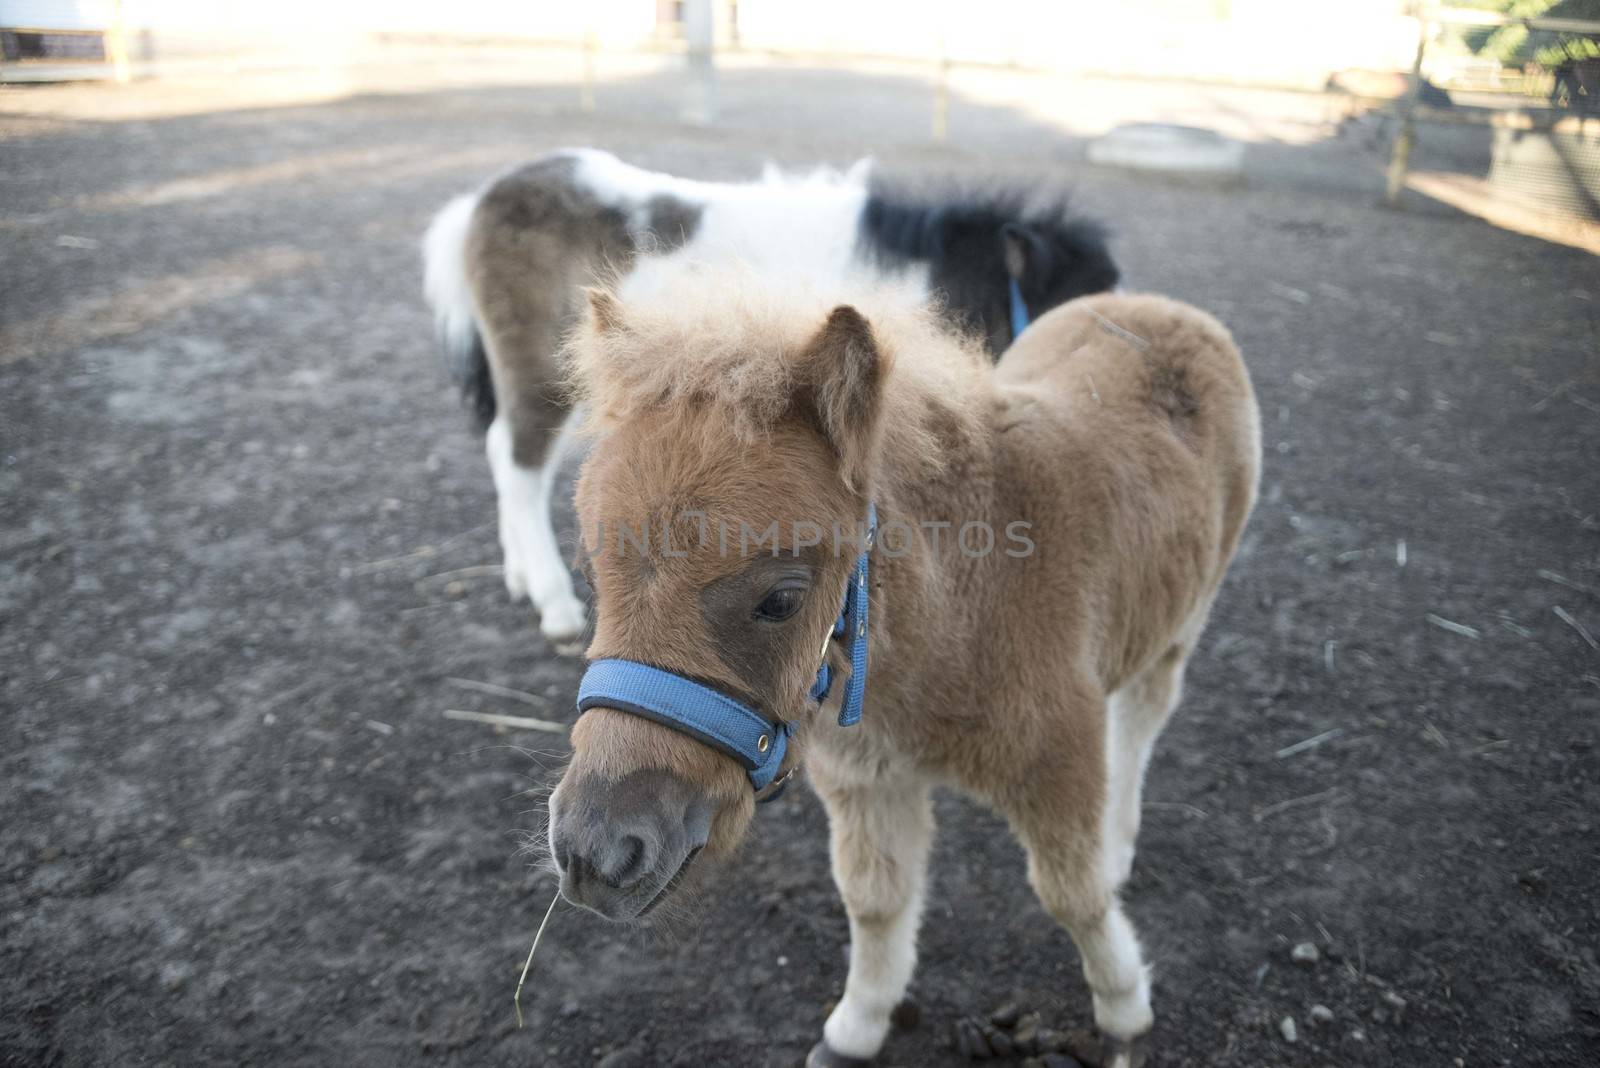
(604, 310)
(1023, 248)
(845, 370)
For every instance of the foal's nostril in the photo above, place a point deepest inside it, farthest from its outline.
(624, 862)
(619, 864)
(631, 852)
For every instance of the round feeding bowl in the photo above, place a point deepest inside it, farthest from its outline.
(1169, 149)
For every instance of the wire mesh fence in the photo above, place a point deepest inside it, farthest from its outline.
(1532, 83)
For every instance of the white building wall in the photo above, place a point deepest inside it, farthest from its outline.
(1298, 42)
(1278, 41)
(56, 14)
(332, 26)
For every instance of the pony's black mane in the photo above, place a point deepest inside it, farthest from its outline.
(958, 233)
(913, 225)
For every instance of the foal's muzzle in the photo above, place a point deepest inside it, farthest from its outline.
(621, 846)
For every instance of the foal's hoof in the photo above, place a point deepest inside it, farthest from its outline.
(821, 1056)
(1122, 1052)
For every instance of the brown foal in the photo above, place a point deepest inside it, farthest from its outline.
(1052, 533)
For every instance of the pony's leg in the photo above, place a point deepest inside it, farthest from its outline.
(881, 831)
(1061, 822)
(530, 247)
(504, 475)
(1136, 715)
(1113, 965)
(533, 561)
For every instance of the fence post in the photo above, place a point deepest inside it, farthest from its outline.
(941, 103)
(590, 46)
(1400, 158)
(117, 46)
(699, 28)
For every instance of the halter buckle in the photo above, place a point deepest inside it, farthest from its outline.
(777, 786)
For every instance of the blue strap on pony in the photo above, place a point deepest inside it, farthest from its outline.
(1019, 311)
(727, 725)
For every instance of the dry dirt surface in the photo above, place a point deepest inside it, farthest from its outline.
(242, 535)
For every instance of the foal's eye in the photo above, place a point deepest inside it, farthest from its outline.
(781, 603)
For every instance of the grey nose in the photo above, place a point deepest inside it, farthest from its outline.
(620, 843)
(619, 862)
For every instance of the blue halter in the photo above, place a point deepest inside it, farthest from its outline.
(727, 725)
(1019, 311)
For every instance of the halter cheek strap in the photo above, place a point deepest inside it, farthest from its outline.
(1019, 311)
(720, 721)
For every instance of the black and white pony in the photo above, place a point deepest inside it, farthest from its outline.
(506, 266)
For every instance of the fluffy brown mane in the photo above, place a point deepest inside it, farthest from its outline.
(724, 347)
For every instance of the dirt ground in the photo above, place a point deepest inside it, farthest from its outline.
(237, 496)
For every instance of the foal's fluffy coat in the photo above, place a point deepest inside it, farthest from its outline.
(1121, 430)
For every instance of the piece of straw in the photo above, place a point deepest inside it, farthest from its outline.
(1309, 743)
(1454, 628)
(499, 691)
(516, 999)
(1583, 632)
(495, 719)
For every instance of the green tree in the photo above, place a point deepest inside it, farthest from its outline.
(1516, 45)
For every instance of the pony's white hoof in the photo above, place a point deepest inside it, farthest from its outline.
(824, 1056)
(1122, 1052)
(563, 622)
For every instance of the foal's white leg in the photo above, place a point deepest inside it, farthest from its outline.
(881, 833)
(1085, 903)
(533, 563)
(1060, 813)
(1135, 715)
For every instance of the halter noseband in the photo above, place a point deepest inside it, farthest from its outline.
(718, 720)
